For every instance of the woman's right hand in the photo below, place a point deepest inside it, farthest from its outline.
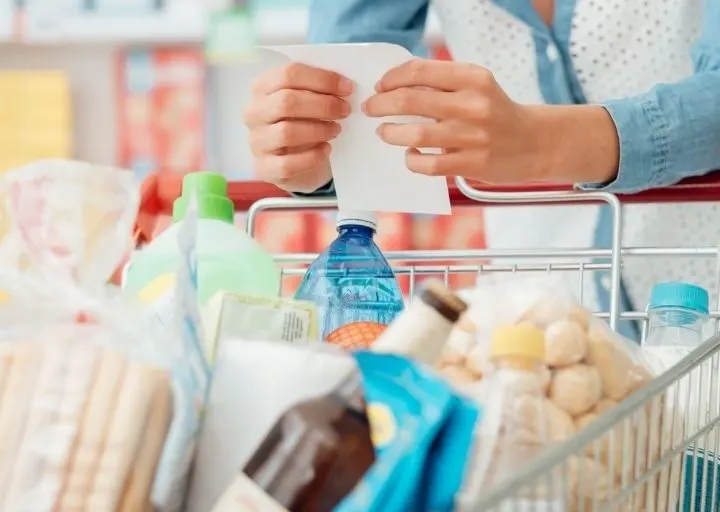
(292, 117)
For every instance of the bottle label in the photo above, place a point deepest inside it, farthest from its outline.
(244, 495)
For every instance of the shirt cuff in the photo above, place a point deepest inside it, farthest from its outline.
(327, 190)
(644, 137)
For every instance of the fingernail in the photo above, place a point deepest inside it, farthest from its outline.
(344, 109)
(378, 86)
(346, 86)
(365, 107)
(335, 130)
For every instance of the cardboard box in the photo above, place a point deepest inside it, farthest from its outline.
(35, 117)
(161, 110)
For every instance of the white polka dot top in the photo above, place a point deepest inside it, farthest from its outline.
(618, 48)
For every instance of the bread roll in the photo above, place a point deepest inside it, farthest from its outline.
(604, 405)
(458, 375)
(618, 372)
(590, 482)
(536, 413)
(477, 360)
(548, 310)
(565, 343)
(575, 389)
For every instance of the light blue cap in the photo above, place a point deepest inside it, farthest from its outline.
(680, 295)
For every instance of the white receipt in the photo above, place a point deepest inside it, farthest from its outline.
(370, 174)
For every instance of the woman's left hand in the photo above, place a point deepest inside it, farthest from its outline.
(482, 133)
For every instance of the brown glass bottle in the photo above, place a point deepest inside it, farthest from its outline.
(316, 452)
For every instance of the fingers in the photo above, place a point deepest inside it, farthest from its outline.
(430, 135)
(302, 171)
(292, 104)
(446, 164)
(305, 78)
(442, 75)
(414, 102)
(291, 134)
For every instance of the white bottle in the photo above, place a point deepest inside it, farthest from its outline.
(677, 313)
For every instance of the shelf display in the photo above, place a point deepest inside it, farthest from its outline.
(30, 100)
(161, 110)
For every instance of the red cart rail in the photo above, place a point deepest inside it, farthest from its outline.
(160, 190)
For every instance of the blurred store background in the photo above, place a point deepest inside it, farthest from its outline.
(126, 82)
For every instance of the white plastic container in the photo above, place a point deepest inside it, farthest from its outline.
(677, 314)
(227, 258)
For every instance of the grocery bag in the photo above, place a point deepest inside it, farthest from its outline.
(97, 411)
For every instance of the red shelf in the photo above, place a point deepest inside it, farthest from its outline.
(159, 192)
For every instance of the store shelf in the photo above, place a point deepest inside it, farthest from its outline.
(187, 25)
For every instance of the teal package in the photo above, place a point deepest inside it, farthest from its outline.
(422, 432)
(450, 455)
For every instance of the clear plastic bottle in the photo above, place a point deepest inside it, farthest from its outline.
(515, 427)
(352, 284)
(677, 313)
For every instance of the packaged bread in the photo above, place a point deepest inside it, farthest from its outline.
(589, 371)
(98, 408)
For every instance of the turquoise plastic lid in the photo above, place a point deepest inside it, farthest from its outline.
(210, 191)
(680, 295)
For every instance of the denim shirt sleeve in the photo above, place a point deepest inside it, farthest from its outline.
(366, 21)
(673, 131)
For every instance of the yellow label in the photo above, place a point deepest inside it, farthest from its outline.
(4, 297)
(157, 288)
(382, 424)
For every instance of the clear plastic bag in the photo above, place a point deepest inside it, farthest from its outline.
(96, 410)
(587, 371)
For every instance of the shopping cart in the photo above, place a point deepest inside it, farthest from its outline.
(660, 465)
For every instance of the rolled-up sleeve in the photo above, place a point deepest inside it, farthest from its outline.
(671, 132)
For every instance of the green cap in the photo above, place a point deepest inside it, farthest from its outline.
(210, 191)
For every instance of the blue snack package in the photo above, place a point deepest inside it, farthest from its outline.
(422, 432)
(450, 455)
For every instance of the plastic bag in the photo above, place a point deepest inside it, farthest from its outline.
(95, 410)
(588, 370)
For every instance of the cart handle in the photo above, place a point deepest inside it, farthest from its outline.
(159, 191)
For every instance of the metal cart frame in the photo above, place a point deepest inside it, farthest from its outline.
(655, 467)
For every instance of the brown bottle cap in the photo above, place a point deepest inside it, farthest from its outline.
(435, 294)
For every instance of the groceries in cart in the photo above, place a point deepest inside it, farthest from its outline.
(96, 412)
(540, 394)
(392, 436)
(352, 284)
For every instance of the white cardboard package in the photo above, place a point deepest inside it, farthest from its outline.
(253, 384)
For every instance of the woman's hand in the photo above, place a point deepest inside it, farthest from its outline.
(483, 134)
(291, 118)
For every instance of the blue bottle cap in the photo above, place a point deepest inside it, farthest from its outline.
(680, 295)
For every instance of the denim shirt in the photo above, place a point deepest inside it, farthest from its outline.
(666, 134)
